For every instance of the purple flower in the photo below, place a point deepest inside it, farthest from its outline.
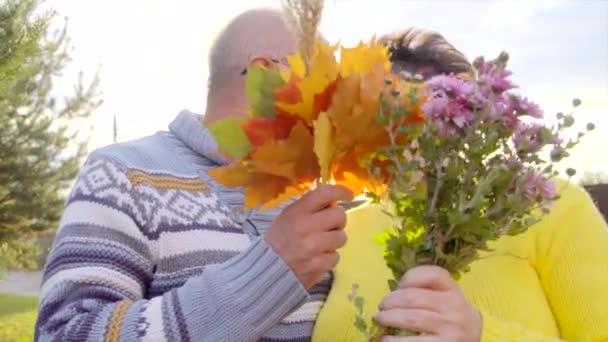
(446, 114)
(522, 106)
(500, 109)
(453, 86)
(508, 108)
(493, 76)
(499, 82)
(528, 137)
(537, 187)
(451, 103)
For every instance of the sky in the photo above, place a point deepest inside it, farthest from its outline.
(152, 54)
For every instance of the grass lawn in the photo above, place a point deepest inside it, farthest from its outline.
(17, 318)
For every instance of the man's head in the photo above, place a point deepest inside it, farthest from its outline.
(258, 32)
(419, 51)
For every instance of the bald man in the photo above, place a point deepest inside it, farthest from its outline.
(151, 249)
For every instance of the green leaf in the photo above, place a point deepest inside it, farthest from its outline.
(382, 238)
(230, 137)
(360, 324)
(259, 88)
(359, 303)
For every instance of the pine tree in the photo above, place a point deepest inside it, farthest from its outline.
(39, 152)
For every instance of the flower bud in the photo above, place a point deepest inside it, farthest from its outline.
(568, 121)
(590, 126)
(576, 102)
(571, 172)
(558, 153)
(560, 115)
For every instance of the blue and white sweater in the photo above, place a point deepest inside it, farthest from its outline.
(151, 249)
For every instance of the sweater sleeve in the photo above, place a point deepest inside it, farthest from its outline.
(571, 250)
(572, 263)
(101, 265)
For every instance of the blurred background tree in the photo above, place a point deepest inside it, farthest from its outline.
(596, 183)
(593, 178)
(40, 146)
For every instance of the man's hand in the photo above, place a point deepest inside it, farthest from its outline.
(429, 302)
(308, 233)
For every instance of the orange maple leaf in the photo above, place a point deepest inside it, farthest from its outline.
(289, 93)
(260, 130)
(276, 170)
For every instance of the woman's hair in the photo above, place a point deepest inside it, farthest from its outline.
(415, 49)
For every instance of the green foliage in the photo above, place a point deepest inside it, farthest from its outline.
(371, 333)
(17, 318)
(18, 254)
(39, 154)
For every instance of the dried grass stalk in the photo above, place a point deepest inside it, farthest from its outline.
(304, 18)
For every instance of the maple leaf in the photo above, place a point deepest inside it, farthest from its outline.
(297, 65)
(261, 130)
(363, 57)
(230, 137)
(323, 100)
(289, 93)
(354, 107)
(324, 144)
(323, 71)
(351, 173)
(274, 170)
(260, 85)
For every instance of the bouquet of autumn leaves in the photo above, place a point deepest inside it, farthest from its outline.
(312, 121)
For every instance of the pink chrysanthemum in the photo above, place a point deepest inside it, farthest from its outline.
(537, 186)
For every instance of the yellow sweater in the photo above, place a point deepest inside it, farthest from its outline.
(548, 284)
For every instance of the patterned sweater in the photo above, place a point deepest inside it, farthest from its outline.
(151, 249)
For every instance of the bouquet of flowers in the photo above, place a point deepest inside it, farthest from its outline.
(456, 162)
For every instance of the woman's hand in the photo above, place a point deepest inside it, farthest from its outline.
(429, 302)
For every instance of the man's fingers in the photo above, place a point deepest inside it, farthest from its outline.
(329, 219)
(414, 298)
(327, 261)
(322, 197)
(428, 277)
(329, 242)
(420, 321)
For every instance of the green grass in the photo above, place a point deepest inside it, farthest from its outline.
(17, 318)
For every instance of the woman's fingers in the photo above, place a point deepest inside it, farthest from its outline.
(421, 321)
(414, 298)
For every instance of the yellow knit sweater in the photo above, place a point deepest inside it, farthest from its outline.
(548, 284)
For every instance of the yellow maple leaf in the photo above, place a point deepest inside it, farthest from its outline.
(296, 64)
(363, 57)
(324, 144)
(323, 71)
